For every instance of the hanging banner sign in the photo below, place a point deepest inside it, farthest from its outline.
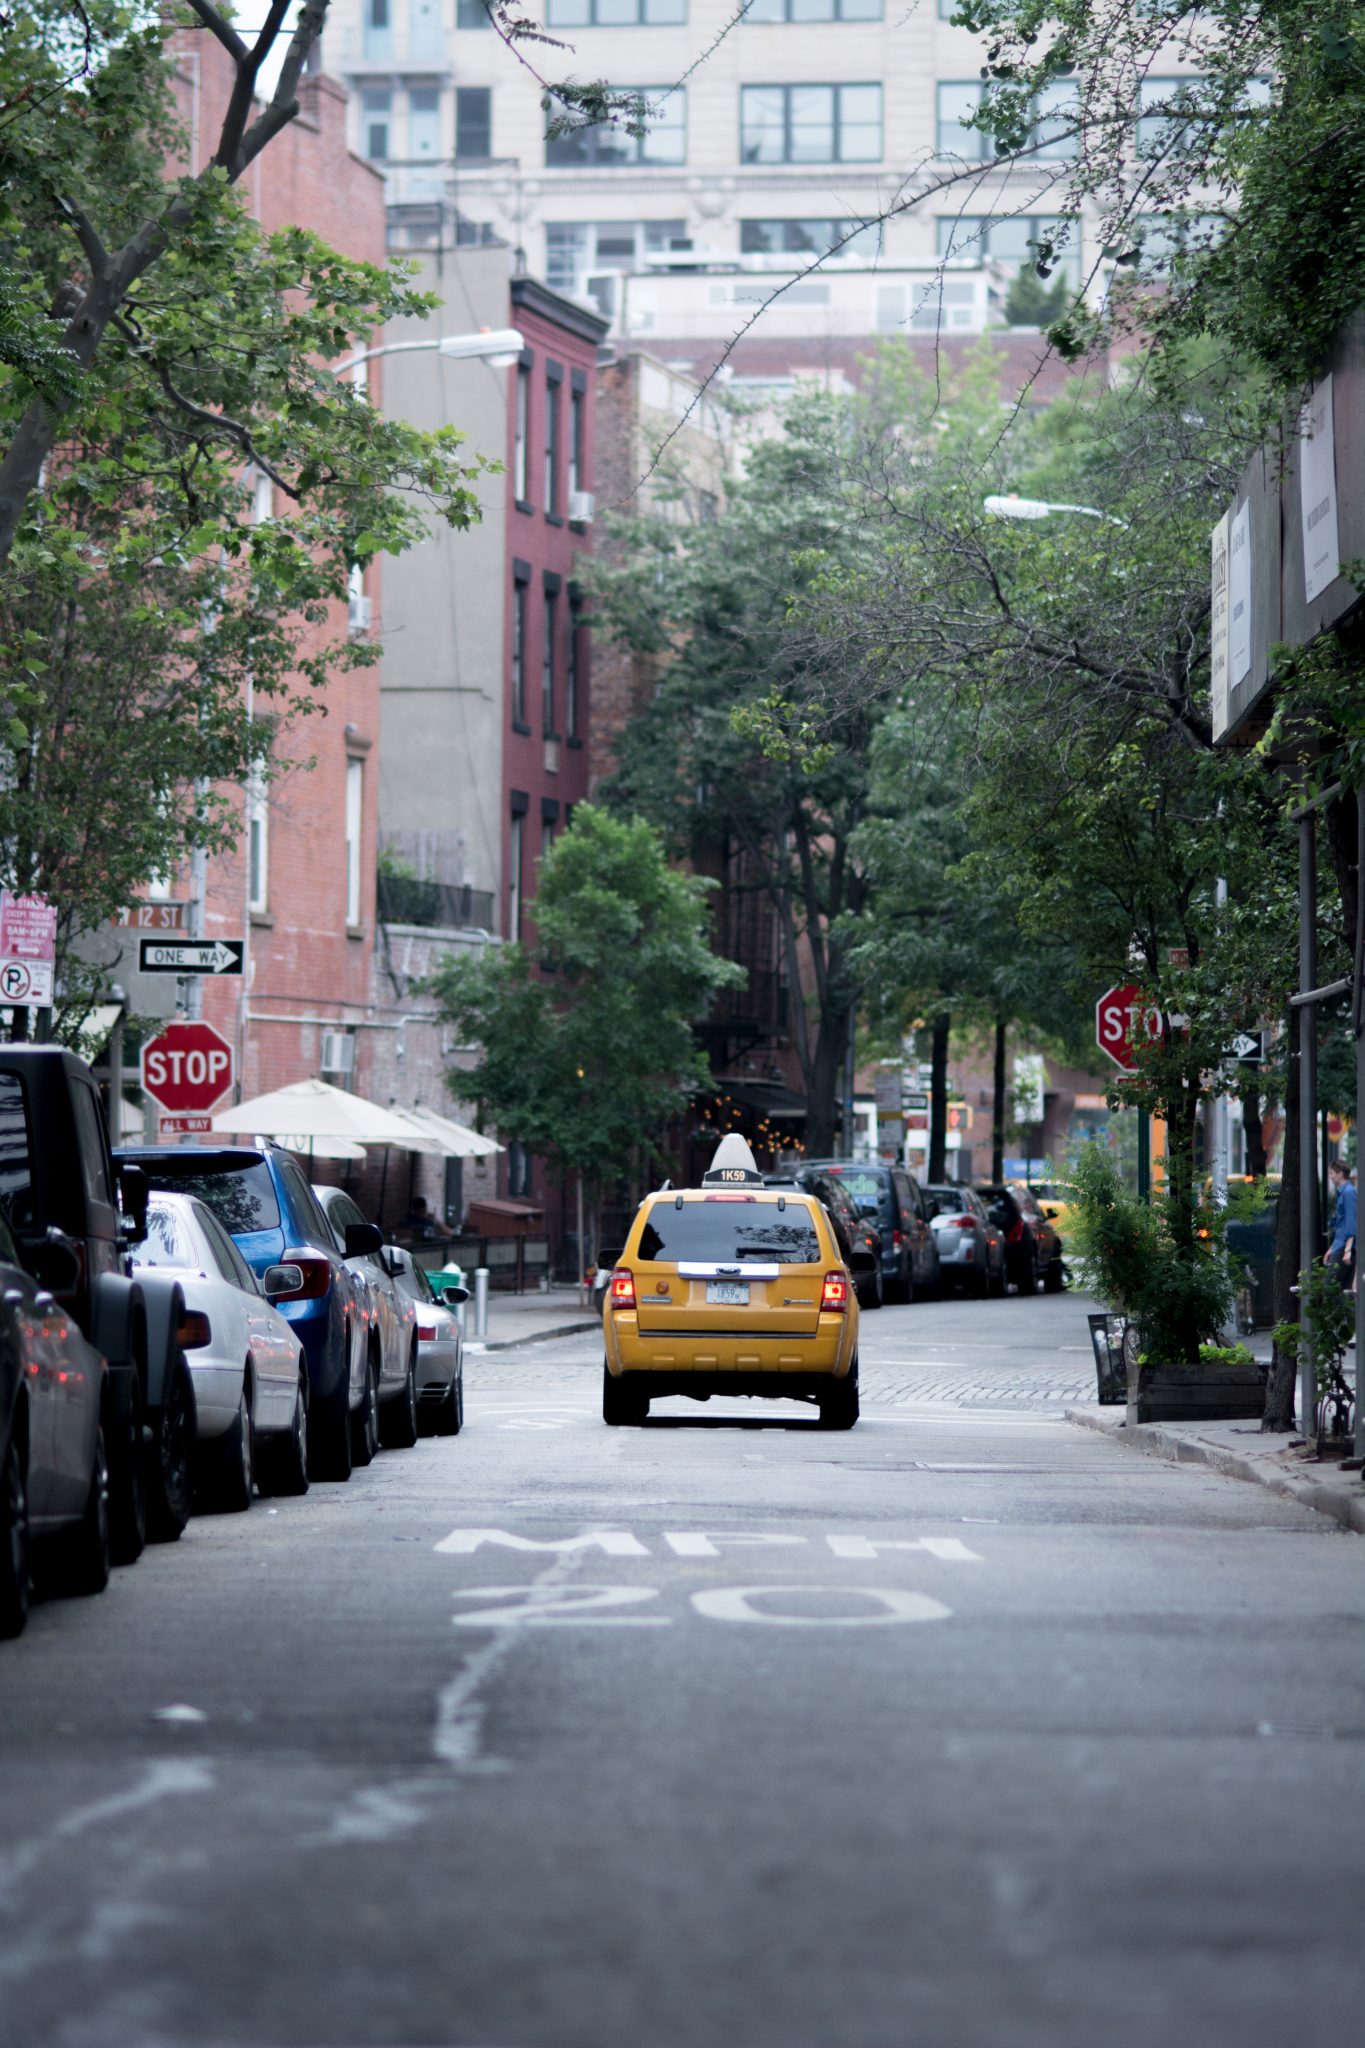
(1239, 598)
(1318, 492)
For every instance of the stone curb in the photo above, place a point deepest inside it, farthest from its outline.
(1155, 1442)
(477, 1347)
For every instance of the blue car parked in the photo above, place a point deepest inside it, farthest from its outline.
(259, 1193)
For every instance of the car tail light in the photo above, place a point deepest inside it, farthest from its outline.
(192, 1331)
(426, 1333)
(623, 1287)
(963, 1223)
(317, 1276)
(834, 1294)
(897, 1239)
(1015, 1233)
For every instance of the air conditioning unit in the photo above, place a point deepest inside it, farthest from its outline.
(338, 1053)
(580, 507)
(357, 615)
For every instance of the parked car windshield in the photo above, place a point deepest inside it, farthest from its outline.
(865, 1187)
(730, 1232)
(241, 1197)
(167, 1242)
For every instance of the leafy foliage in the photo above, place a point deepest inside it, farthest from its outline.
(587, 1062)
(1176, 1286)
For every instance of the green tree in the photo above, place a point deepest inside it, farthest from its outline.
(588, 1061)
(717, 602)
(1031, 302)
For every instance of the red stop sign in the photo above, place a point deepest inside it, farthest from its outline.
(187, 1068)
(1123, 1021)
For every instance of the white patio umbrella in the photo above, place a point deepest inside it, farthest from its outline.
(319, 1148)
(450, 1140)
(307, 1112)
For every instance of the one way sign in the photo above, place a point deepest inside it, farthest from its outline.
(191, 956)
(1247, 1046)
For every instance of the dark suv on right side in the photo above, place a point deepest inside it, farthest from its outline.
(259, 1194)
(1033, 1250)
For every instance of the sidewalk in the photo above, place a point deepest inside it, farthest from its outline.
(1240, 1451)
(529, 1319)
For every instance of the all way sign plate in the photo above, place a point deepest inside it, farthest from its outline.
(191, 956)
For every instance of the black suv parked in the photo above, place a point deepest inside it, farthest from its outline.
(890, 1195)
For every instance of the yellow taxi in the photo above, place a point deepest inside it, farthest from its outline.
(734, 1288)
(1056, 1199)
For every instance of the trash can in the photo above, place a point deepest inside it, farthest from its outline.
(1111, 1367)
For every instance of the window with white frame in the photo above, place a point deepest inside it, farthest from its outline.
(257, 843)
(810, 124)
(615, 13)
(1056, 119)
(377, 29)
(839, 238)
(608, 144)
(574, 249)
(814, 10)
(355, 819)
(978, 238)
(958, 101)
(376, 117)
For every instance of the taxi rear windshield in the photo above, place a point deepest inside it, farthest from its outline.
(730, 1233)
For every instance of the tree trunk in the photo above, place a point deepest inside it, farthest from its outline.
(1280, 1387)
(998, 1112)
(938, 1099)
(1253, 1123)
(824, 1083)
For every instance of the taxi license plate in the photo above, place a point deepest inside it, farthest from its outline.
(733, 1293)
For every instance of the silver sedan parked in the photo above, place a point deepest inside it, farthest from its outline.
(440, 1343)
(971, 1249)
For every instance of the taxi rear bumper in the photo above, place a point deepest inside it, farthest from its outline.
(731, 1355)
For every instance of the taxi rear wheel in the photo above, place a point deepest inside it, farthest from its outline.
(620, 1402)
(839, 1405)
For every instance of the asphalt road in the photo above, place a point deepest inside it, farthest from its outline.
(964, 1728)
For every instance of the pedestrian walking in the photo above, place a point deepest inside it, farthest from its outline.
(1341, 1250)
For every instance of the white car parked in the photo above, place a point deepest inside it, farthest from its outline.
(440, 1342)
(246, 1363)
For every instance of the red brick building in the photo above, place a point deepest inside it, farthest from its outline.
(301, 884)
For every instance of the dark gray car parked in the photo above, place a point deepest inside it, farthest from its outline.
(891, 1196)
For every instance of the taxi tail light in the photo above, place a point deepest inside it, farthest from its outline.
(623, 1288)
(192, 1331)
(834, 1294)
(317, 1276)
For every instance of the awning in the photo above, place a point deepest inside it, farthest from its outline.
(314, 1109)
(444, 1137)
(772, 1099)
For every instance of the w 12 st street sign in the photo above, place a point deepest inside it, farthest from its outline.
(1123, 1022)
(191, 956)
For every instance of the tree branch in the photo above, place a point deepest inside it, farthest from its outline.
(221, 422)
(216, 26)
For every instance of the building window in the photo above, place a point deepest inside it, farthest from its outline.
(521, 457)
(519, 652)
(258, 843)
(378, 28)
(817, 10)
(1055, 121)
(607, 143)
(516, 853)
(577, 446)
(471, 14)
(424, 141)
(520, 1164)
(424, 41)
(810, 124)
(810, 238)
(574, 250)
(376, 114)
(976, 238)
(547, 667)
(571, 730)
(1166, 114)
(552, 388)
(474, 122)
(958, 103)
(355, 797)
(615, 13)
(547, 837)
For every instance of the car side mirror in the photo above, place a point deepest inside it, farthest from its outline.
(55, 1262)
(134, 1194)
(362, 1240)
(862, 1261)
(279, 1281)
(1051, 1215)
(454, 1295)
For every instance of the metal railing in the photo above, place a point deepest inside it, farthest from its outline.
(407, 899)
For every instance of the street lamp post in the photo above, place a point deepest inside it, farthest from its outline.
(499, 347)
